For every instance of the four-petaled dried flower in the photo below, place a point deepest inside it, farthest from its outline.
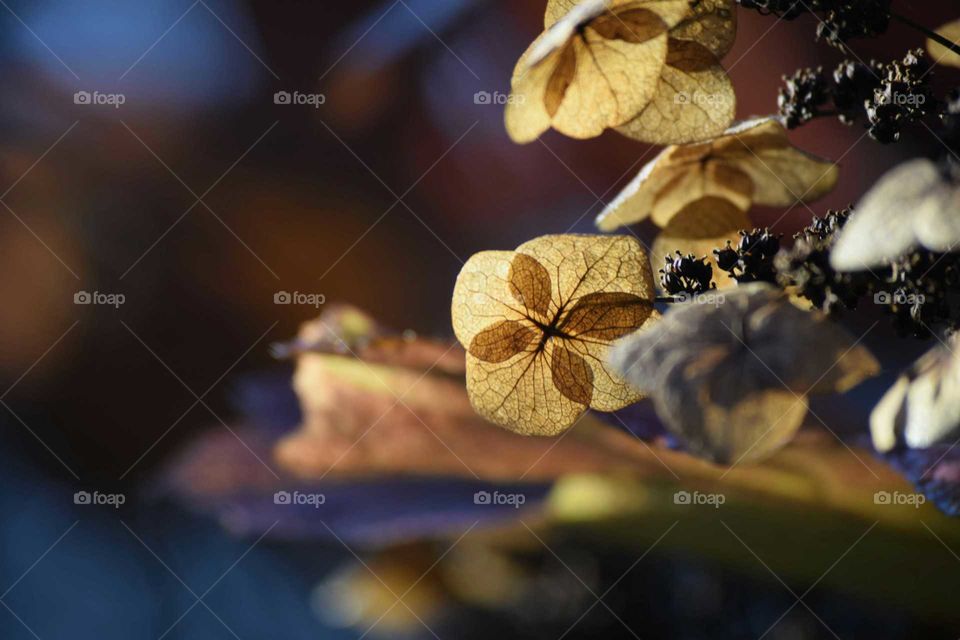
(731, 376)
(648, 67)
(537, 323)
(752, 162)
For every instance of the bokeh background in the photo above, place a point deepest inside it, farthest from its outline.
(199, 198)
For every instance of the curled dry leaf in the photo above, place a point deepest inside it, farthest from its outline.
(603, 63)
(914, 204)
(378, 403)
(537, 322)
(731, 378)
(752, 162)
(922, 408)
(939, 53)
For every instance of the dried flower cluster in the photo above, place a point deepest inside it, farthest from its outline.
(649, 68)
(887, 96)
(752, 259)
(918, 288)
(838, 20)
(567, 323)
(805, 266)
(753, 162)
(537, 322)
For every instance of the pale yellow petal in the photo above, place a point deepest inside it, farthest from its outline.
(674, 180)
(594, 68)
(694, 100)
(781, 173)
(939, 53)
(635, 202)
(610, 391)
(585, 264)
(709, 182)
(482, 295)
(886, 419)
(520, 395)
(614, 79)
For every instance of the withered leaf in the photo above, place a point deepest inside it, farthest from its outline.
(596, 66)
(398, 404)
(534, 365)
(922, 408)
(752, 162)
(914, 204)
(731, 378)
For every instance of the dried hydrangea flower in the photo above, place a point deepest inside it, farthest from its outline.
(695, 99)
(730, 376)
(923, 406)
(912, 205)
(537, 323)
(752, 162)
(649, 66)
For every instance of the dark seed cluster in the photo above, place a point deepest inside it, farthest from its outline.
(888, 96)
(920, 290)
(804, 94)
(806, 267)
(751, 260)
(903, 97)
(853, 86)
(783, 9)
(686, 274)
(838, 20)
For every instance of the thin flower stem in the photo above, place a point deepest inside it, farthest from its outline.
(933, 35)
